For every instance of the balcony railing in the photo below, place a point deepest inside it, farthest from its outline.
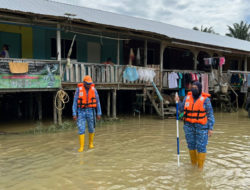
(100, 73)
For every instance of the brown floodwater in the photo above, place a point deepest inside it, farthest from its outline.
(129, 154)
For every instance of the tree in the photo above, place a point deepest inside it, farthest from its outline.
(239, 30)
(205, 29)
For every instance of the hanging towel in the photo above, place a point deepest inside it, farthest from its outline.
(130, 74)
(18, 67)
(222, 61)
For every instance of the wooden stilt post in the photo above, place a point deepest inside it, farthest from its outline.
(39, 106)
(114, 103)
(144, 99)
(108, 104)
(54, 108)
(58, 47)
(31, 106)
(59, 112)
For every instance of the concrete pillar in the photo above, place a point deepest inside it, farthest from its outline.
(114, 103)
(108, 104)
(145, 53)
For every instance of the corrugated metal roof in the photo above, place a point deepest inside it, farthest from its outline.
(46, 7)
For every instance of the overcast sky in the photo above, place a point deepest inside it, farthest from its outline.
(185, 13)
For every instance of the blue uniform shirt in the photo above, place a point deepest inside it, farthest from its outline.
(75, 108)
(209, 109)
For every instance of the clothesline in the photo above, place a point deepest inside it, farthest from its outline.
(212, 58)
(183, 71)
(241, 72)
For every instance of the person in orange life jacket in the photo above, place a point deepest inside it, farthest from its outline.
(198, 122)
(86, 102)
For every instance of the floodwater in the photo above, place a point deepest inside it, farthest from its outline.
(130, 154)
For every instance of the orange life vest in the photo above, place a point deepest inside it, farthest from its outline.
(86, 100)
(194, 112)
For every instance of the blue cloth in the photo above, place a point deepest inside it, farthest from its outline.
(130, 74)
(182, 92)
(86, 114)
(197, 134)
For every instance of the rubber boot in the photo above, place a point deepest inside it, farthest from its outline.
(201, 160)
(91, 139)
(193, 157)
(81, 140)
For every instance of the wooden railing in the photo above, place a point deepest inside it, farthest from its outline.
(100, 73)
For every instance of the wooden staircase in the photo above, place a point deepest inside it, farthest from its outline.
(161, 107)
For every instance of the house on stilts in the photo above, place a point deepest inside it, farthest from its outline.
(40, 33)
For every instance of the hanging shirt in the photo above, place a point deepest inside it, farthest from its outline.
(172, 80)
(180, 80)
(204, 82)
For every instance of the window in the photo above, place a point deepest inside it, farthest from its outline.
(65, 45)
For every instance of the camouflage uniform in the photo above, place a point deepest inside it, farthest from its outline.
(86, 114)
(197, 134)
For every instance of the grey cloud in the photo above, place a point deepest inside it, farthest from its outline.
(186, 13)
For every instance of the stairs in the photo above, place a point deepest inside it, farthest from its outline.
(161, 108)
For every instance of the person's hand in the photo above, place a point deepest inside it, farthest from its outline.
(210, 132)
(177, 99)
(74, 118)
(98, 117)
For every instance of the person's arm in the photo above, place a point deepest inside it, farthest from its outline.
(181, 105)
(210, 116)
(99, 110)
(74, 107)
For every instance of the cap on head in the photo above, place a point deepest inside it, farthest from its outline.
(87, 79)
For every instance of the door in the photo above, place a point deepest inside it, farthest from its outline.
(94, 52)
